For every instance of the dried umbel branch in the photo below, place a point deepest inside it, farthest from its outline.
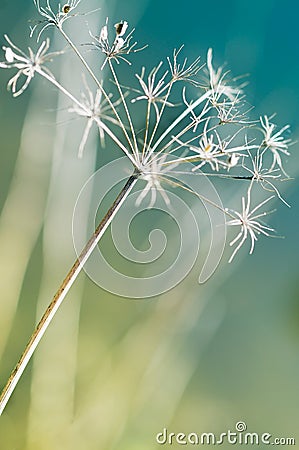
(211, 130)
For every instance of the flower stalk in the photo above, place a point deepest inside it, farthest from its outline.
(63, 290)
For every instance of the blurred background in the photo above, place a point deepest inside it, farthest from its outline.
(112, 372)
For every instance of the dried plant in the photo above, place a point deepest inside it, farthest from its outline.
(209, 129)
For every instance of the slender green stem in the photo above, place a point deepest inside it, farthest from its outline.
(62, 292)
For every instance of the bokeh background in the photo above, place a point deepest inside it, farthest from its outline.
(112, 372)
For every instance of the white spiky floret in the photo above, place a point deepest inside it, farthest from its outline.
(96, 109)
(51, 17)
(120, 46)
(275, 141)
(249, 223)
(26, 65)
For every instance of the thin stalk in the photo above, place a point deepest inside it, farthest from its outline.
(197, 158)
(200, 196)
(61, 88)
(178, 120)
(98, 83)
(148, 112)
(200, 118)
(62, 292)
(160, 114)
(126, 109)
(98, 121)
(86, 65)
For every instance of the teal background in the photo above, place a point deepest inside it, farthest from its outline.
(248, 367)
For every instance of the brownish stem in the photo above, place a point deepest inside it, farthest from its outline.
(62, 292)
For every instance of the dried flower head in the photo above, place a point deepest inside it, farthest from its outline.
(248, 221)
(220, 85)
(153, 92)
(182, 71)
(154, 172)
(263, 175)
(120, 46)
(207, 151)
(51, 17)
(96, 109)
(212, 130)
(26, 65)
(275, 142)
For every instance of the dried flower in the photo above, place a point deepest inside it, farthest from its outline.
(153, 92)
(95, 109)
(264, 176)
(52, 18)
(182, 72)
(217, 141)
(121, 45)
(251, 227)
(207, 151)
(153, 172)
(219, 84)
(233, 111)
(275, 141)
(26, 65)
(216, 137)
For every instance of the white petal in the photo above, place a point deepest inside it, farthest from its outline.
(104, 33)
(233, 160)
(119, 44)
(9, 55)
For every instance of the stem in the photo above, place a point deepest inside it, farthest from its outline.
(135, 146)
(63, 290)
(148, 113)
(98, 121)
(161, 113)
(179, 119)
(200, 196)
(98, 83)
(87, 67)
